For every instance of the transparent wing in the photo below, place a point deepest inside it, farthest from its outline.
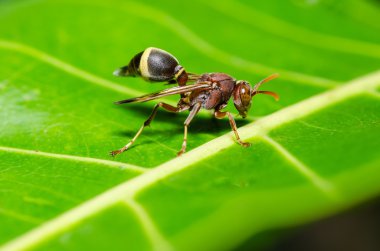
(193, 76)
(168, 92)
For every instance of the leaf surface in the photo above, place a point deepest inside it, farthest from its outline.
(314, 153)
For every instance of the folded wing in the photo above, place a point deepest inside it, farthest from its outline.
(168, 92)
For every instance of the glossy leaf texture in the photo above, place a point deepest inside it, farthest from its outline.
(314, 153)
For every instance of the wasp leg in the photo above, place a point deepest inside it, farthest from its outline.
(147, 122)
(194, 110)
(220, 115)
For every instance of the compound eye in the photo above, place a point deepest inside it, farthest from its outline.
(245, 95)
(242, 97)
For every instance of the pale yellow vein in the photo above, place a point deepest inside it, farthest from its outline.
(322, 184)
(276, 26)
(208, 49)
(68, 68)
(20, 217)
(75, 158)
(158, 242)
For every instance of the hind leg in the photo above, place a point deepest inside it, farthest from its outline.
(147, 122)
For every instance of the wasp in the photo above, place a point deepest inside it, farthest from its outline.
(210, 91)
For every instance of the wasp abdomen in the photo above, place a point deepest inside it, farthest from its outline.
(151, 64)
(160, 65)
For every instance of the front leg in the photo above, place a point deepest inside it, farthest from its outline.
(219, 115)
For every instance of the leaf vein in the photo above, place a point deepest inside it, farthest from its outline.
(66, 67)
(75, 158)
(164, 19)
(322, 184)
(21, 217)
(158, 242)
(279, 27)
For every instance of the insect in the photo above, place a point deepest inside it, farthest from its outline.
(209, 91)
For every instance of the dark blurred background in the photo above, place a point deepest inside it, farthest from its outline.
(353, 230)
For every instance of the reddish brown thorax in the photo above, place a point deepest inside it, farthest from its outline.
(223, 85)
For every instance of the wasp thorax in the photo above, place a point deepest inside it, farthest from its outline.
(151, 64)
(242, 97)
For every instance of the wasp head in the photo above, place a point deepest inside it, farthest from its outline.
(243, 93)
(242, 97)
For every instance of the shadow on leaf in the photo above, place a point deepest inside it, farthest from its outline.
(202, 123)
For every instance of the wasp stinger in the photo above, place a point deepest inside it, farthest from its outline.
(209, 90)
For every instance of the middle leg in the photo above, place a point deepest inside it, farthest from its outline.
(147, 122)
(195, 109)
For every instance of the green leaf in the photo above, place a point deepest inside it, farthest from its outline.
(313, 154)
